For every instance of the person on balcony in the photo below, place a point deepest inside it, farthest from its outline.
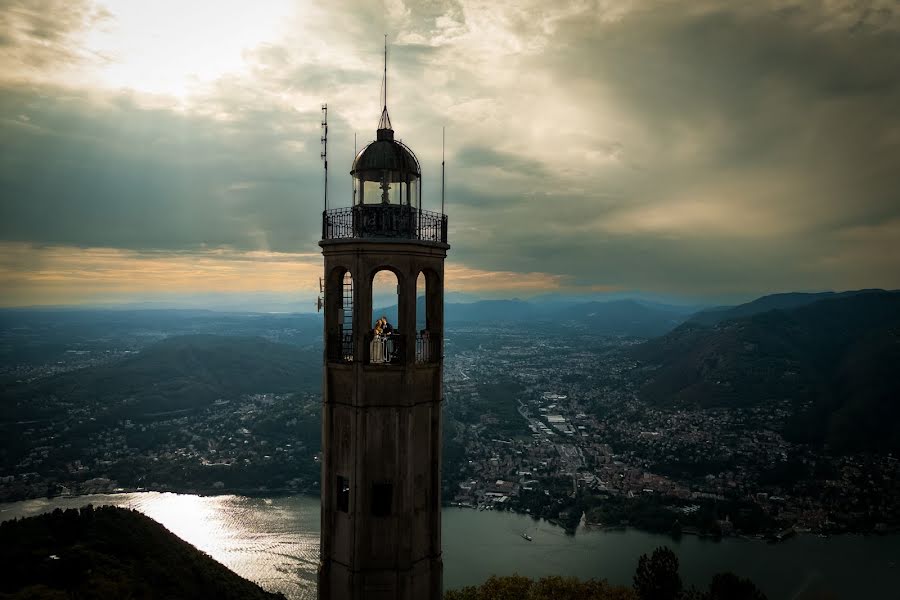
(376, 349)
(390, 348)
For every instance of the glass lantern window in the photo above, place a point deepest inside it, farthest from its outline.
(374, 190)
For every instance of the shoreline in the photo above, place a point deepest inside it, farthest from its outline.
(250, 492)
(771, 537)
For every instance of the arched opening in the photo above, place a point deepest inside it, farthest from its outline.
(421, 308)
(339, 315)
(423, 336)
(384, 342)
(428, 315)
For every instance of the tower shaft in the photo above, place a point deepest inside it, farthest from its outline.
(381, 425)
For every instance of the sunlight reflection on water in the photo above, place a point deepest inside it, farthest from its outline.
(274, 542)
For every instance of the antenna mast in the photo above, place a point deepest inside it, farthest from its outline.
(443, 135)
(325, 148)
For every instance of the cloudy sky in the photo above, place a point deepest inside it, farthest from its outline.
(690, 149)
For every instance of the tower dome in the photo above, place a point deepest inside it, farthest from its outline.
(386, 171)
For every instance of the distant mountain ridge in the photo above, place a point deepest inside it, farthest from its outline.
(784, 301)
(45, 335)
(607, 317)
(832, 356)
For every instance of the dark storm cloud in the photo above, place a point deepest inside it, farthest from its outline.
(474, 157)
(787, 117)
(787, 90)
(90, 172)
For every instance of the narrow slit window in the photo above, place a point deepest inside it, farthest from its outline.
(343, 494)
(382, 497)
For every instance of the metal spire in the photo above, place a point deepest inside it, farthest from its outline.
(385, 121)
(385, 71)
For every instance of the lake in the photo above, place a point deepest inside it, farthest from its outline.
(275, 542)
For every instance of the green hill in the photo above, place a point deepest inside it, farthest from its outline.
(110, 553)
(177, 373)
(833, 359)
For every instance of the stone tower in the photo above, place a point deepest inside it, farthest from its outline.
(381, 413)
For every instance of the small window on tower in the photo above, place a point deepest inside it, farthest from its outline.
(343, 494)
(382, 495)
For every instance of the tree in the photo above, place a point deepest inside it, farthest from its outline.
(656, 577)
(516, 587)
(506, 588)
(570, 588)
(728, 586)
(502, 588)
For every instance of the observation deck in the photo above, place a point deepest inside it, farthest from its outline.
(386, 351)
(384, 222)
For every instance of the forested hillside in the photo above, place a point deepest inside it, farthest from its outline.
(110, 553)
(834, 360)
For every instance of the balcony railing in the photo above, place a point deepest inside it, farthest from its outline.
(428, 347)
(340, 347)
(383, 221)
(390, 350)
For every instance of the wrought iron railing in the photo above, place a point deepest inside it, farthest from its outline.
(383, 221)
(389, 350)
(381, 350)
(337, 223)
(428, 347)
(340, 347)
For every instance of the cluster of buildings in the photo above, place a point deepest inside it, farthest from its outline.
(582, 431)
(245, 444)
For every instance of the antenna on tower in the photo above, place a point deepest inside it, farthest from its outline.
(443, 136)
(325, 148)
(319, 303)
(353, 179)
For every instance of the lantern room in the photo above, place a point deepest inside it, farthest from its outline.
(386, 171)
